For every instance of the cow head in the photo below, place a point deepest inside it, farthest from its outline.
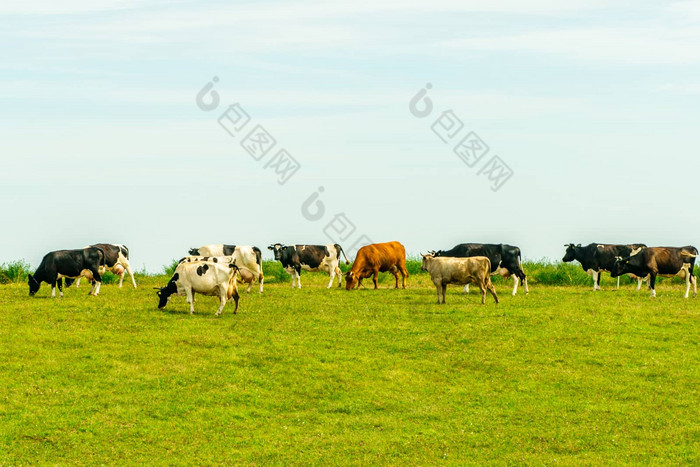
(33, 285)
(620, 266)
(570, 254)
(351, 280)
(164, 293)
(632, 264)
(426, 259)
(277, 250)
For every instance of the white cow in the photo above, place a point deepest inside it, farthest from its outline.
(206, 278)
(249, 257)
(244, 273)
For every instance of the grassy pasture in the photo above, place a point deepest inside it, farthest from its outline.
(322, 376)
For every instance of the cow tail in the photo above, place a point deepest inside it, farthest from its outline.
(258, 255)
(339, 250)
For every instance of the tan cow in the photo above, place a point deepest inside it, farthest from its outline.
(461, 271)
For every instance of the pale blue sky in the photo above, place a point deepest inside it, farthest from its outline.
(594, 105)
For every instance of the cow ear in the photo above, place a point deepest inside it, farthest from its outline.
(579, 245)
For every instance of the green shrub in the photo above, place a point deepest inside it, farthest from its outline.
(169, 269)
(15, 271)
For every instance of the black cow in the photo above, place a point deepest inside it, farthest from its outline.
(505, 260)
(596, 258)
(68, 263)
(313, 258)
(660, 261)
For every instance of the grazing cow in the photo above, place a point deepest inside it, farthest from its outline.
(312, 258)
(116, 262)
(249, 257)
(505, 260)
(375, 258)
(67, 263)
(245, 274)
(206, 278)
(462, 271)
(660, 261)
(596, 258)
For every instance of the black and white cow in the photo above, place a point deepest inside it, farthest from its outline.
(245, 274)
(596, 258)
(660, 261)
(204, 278)
(70, 264)
(249, 257)
(313, 258)
(116, 262)
(505, 260)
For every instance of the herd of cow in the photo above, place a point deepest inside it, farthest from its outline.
(216, 269)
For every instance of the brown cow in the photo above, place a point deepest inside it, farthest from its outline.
(461, 271)
(660, 261)
(375, 258)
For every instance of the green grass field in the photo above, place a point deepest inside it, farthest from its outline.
(316, 376)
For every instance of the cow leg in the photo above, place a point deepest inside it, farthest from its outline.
(131, 274)
(53, 289)
(293, 273)
(639, 284)
(438, 288)
(261, 279)
(594, 275)
(331, 273)
(339, 274)
(375, 274)
(695, 284)
(222, 299)
(77, 283)
(395, 273)
(492, 289)
(190, 298)
(121, 278)
(652, 283)
(515, 284)
(235, 298)
(466, 288)
(482, 287)
(298, 271)
(687, 283)
(59, 282)
(404, 275)
(600, 275)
